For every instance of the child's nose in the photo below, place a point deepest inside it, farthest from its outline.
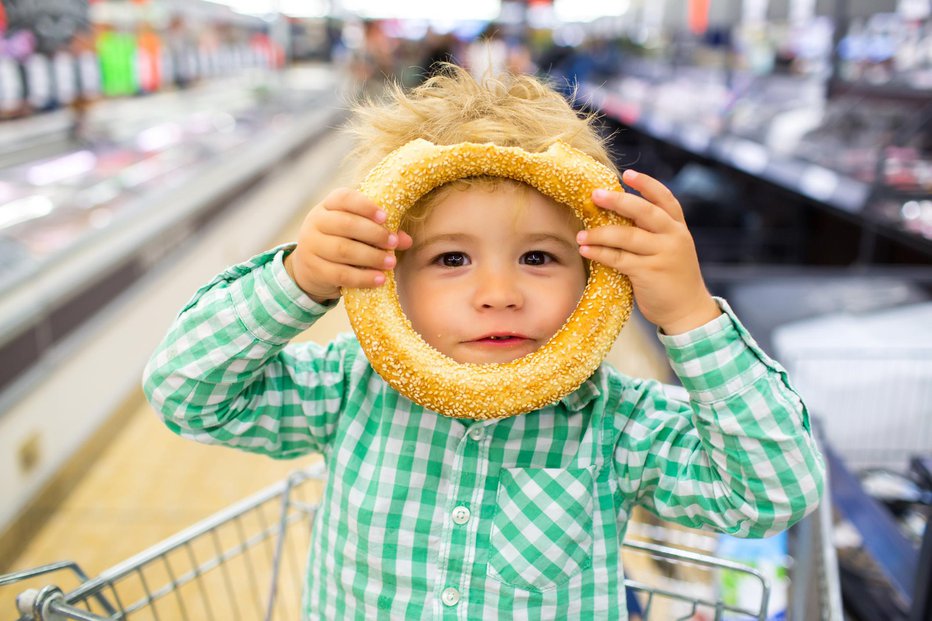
(498, 290)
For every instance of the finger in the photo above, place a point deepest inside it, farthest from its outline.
(655, 192)
(404, 241)
(353, 201)
(642, 212)
(346, 251)
(614, 258)
(354, 226)
(349, 276)
(629, 238)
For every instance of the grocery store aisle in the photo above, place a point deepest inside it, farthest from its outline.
(148, 484)
(145, 483)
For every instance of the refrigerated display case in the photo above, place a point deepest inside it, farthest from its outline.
(868, 158)
(838, 117)
(151, 173)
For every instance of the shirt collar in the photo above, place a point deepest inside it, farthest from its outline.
(582, 396)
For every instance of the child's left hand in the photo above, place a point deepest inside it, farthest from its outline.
(657, 253)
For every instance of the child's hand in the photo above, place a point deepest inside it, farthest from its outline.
(657, 253)
(342, 243)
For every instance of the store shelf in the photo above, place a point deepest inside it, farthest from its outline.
(844, 194)
(806, 179)
(816, 182)
(879, 91)
(155, 205)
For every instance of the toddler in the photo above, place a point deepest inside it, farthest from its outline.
(426, 516)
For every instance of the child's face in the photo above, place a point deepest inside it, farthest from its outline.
(492, 274)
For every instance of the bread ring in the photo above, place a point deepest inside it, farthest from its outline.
(484, 391)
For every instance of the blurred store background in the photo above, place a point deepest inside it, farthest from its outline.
(147, 144)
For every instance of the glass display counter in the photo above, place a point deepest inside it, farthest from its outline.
(865, 155)
(77, 228)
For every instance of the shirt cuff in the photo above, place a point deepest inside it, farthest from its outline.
(269, 303)
(717, 360)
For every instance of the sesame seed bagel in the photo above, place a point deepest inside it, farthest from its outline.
(483, 391)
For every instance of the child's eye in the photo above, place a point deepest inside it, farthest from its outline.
(536, 257)
(452, 259)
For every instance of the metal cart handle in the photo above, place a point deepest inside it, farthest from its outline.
(49, 605)
(50, 599)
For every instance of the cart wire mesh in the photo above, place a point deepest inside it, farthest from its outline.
(244, 562)
(248, 562)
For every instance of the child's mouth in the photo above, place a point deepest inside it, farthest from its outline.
(502, 340)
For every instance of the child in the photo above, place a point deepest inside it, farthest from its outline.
(522, 517)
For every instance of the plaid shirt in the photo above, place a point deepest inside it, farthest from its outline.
(426, 516)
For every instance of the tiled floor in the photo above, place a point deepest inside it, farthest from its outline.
(149, 484)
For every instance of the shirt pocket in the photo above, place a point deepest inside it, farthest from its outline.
(542, 529)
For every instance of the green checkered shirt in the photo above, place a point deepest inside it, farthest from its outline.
(425, 516)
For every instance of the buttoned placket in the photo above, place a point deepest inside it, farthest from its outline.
(458, 545)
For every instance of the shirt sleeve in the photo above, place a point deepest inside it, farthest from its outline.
(739, 457)
(222, 374)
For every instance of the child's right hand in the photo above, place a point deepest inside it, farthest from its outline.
(342, 243)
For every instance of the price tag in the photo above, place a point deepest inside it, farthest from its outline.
(819, 183)
(749, 156)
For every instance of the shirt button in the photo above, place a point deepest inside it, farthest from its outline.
(461, 515)
(477, 433)
(450, 596)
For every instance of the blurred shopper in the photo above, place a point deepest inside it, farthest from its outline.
(380, 51)
(518, 59)
(439, 49)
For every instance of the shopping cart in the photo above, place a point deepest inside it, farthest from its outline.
(247, 562)
(874, 402)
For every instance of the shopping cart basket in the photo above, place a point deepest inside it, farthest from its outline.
(247, 562)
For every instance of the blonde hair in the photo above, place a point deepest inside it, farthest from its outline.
(509, 110)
